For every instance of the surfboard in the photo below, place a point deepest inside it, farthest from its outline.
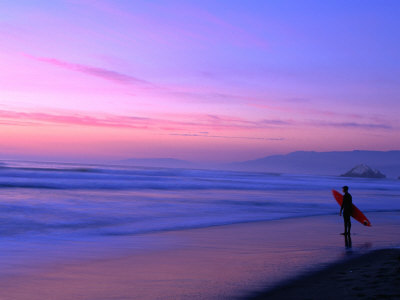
(356, 213)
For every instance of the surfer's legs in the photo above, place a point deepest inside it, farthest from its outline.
(347, 227)
(347, 224)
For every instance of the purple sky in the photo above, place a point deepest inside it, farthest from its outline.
(197, 80)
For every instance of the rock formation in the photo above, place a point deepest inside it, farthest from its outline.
(364, 171)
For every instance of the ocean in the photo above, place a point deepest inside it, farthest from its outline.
(80, 201)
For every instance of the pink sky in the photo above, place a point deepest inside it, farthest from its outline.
(201, 81)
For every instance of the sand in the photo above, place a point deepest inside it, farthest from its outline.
(375, 275)
(222, 262)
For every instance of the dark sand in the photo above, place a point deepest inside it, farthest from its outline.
(375, 275)
(221, 262)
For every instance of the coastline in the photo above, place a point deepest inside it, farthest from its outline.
(219, 262)
(374, 275)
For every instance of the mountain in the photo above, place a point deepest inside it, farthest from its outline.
(157, 162)
(323, 163)
(363, 171)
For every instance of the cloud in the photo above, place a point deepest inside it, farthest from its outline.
(184, 121)
(297, 100)
(275, 122)
(201, 124)
(225, 136)
(35, 118)
(354, 125)
(17, 123)
(205, 97)
(92, 71)
(371, 121)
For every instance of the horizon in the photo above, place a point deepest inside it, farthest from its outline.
(205, 164)
(204, 82)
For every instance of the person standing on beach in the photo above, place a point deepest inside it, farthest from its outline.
(346, 208)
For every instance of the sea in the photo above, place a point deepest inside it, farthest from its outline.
(88, 200)
(45, 206)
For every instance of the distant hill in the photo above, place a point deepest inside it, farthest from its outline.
(324, 163)
(157, 162)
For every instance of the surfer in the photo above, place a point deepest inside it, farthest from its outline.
(346, 208)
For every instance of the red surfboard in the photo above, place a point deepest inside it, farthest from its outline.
(356, 213)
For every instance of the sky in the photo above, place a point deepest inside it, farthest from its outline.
(207, 81)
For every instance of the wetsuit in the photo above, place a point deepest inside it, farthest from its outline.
(347, 207)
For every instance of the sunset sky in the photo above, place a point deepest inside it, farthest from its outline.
(212, 81)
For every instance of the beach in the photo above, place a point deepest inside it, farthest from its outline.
(219, 262)
(375, 275)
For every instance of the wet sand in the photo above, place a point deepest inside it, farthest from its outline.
(375, 275)
(222, 262)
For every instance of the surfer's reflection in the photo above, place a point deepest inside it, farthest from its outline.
(347, 241)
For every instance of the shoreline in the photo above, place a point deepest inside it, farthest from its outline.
(221, 262)
(375, 274)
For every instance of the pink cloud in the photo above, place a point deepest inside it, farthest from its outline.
(92, 71)
(309, 111)
(186, 121)
(225, 136)
(354, 125)
(184, 125)
(19, 118)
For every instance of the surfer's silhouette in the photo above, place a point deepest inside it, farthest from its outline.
(346, 208)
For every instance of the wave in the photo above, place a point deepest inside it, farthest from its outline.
(63, 219)
(140, 186)
(132, 182)
(4, 167)
(97, 177)
(118, 214)
(117, 227)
